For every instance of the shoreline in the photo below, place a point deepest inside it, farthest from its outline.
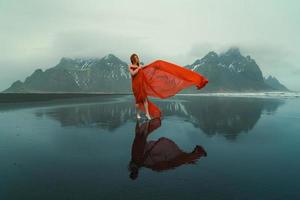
(34, 97)
(38, 97)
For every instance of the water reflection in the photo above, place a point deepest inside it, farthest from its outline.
(228, 116)
(162, 154)
(224, 116)
(106, 116)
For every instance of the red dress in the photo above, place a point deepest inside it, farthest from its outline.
(162, 79)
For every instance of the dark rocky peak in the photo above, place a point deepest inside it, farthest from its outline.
(233, 56)
(35, 75)
(111, 58)
(65, 60)
(77, 63)
(211, 54)
(275, 83)
(37, 72)
(211, 57)
(232, 51)
(271, 78)
(108, 62)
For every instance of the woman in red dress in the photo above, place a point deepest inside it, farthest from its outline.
(159, 79)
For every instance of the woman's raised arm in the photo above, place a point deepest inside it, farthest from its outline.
(133, 72)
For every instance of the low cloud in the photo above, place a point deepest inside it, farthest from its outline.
(36, 34)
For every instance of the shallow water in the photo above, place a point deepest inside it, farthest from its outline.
(93, 148)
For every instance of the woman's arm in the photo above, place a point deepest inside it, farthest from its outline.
(133, 72)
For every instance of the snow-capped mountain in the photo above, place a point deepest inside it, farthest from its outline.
(229, 71)
(107, 74)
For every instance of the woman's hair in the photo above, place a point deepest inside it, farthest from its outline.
(132, 58)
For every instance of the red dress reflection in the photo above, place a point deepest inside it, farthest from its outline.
(159, 155)
(162, 79)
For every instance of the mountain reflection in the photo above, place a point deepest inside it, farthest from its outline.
(107, 116)
(226, 116)
(162, 154)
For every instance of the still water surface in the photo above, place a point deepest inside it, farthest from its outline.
(203, 148)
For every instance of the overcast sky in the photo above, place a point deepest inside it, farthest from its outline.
(37, 33)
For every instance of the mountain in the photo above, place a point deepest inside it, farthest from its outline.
(274, 83)
(229, 71)
(107, 74)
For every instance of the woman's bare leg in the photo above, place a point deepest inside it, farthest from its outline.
(146, 108)
(137, 111)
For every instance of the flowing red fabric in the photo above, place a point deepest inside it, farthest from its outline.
(162, 79)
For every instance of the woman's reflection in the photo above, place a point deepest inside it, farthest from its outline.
(159, 155)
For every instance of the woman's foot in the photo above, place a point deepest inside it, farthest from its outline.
(148, 116)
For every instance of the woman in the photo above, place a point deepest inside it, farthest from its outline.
(158, 155)
(160, 79)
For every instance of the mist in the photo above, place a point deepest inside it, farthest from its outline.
(36, 34)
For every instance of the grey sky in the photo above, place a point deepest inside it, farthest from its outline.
(36, 34)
